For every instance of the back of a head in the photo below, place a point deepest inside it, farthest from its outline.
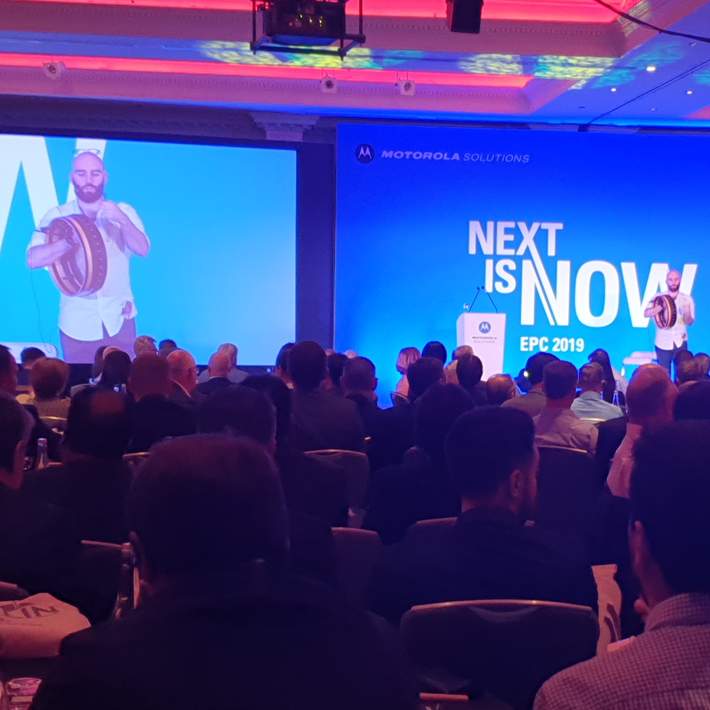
(693, 401)
(535, 366)
(559, 380)
(681, 356)
(437, 409)
(203, 504)
(179, 362)
(591, 377)
(280, 396)
(98, 361)
(358, 375)
(462, 351)
(149, 376)
(239, 411)
(406, 357)
(15, 426)
(220, 364)
(144, 344)
(499, 389)
(30, 355)
(231, 351)
(98, 424)
(648, 392)
(49, 377)
(485, 446)
(435, 349)
(469, 370)
(688, 370)
(281, 363)
(422, 374)
(703, 361)
(8, 371)
(116, 369)
(166, 346)
(335, 363)
(306, 365)
(601, 357)
(670, 496)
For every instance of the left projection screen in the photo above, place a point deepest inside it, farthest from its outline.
(186, 241)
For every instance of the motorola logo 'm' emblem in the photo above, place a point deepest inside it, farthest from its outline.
(484, 327)
(365, 153)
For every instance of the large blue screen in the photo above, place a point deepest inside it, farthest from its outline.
(221, 225)
(569, 233)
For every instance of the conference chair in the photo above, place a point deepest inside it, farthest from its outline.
(357, 552)
(356, 466)
(568, 487)
(134, 460)
(424, 529)
(503, 648)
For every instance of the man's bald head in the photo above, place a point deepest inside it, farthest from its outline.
(650, 396)
(183, 369)
(89, 177)
(673, 280)
(150, 375)
(220, 364)
(231, 351)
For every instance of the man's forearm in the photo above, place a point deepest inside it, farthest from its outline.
(135, 239)
(46, 254)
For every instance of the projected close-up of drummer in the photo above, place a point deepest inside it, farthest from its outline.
(86, 245)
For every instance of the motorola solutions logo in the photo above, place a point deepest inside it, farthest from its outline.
(484, 327)
(365, 153)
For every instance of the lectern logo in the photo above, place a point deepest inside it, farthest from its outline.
(484, 327)
(365, 153)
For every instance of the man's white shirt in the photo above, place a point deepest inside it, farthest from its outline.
(670, 338)
(83, 317)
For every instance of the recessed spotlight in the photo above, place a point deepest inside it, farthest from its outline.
(653, 108)
(650, 68)
(689, 92)
(613, 89)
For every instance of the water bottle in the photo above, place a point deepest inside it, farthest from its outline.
(41, 458)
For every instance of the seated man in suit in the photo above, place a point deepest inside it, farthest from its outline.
(217, 374)
(488, 553)
(320, 420)
(154, 416)
(221, 625)
(359, 384)
(534, 401)
(92, 484)
(40, 547)
(234, 374)
(183, 374)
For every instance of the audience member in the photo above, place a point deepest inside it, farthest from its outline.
(335, 364)
(116, 369)
(28, 357)
(144, 345)
(469, 371)
(221, 623)
(489, 553)
(533, 402)
(281, 365)
(183, 373)
(319, 420)
(420, 487)
(650, 398)
(693, 401)
(591, 404)
(703, 361)
(557, 424)
(234, 375)
(40, 547)
(435, 349)
(359, 385)
(49, 377)
(669, 537)
(155, 417)
(406, 357)
(217, 374)
(613, 381)
(499, 389)
(92, 484)
(451, 370)
(166, 346)
(312, 486)
(681, 356)
(688, 370)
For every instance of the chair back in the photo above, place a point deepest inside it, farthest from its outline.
(57, 424)
(506, 648)
(568, 487)
(357, 552)
(356, 466)
(424, 529)
(10, 592)
(135, 460)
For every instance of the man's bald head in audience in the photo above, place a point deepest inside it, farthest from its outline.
(650, 396)
(220, 364)
(183, 369)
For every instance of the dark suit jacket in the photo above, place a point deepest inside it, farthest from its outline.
(179, 396)
(214, 384)
(262, 646)
(91, 491)
(485, 555)
(324, 421)
(392, 435)
(369, 412)
(611, 433)
(156, 417)
(40, 546)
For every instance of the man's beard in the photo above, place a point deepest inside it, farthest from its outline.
(89, 193)
(674, 290)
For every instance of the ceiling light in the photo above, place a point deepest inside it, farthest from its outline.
(613, 89)
(650, 68)
(689, 92)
